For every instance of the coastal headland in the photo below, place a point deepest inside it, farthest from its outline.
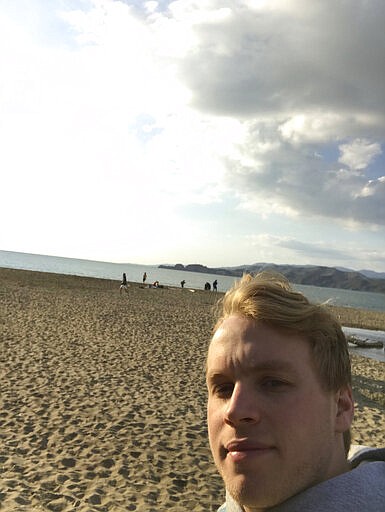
(103, 399)
(313, 275)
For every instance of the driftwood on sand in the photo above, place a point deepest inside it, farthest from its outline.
(365, 342)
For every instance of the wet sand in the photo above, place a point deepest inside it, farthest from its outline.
(103, 401)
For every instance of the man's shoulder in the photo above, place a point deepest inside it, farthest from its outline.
(356, 490)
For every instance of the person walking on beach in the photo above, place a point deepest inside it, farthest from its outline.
(215, 286)
(182, 283)
(144, 277)
(280, 406)
(123, 285)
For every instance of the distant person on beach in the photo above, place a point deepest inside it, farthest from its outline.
(144, 277)
(182, 283)
(280, 406)
(207, 286)
(215, 285)
(123, 285)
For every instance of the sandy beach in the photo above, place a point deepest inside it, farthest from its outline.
(103, 399)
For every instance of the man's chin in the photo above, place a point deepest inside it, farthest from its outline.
(243, 491)
(246, 492)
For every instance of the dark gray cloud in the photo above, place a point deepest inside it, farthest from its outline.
(323, 54)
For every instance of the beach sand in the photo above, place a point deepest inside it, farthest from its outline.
(103, 400)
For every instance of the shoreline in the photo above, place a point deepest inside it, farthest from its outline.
(349, 317)
(104, 270)
(103, 403)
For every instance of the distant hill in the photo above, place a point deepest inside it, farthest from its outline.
(372, 274)
(328, 277)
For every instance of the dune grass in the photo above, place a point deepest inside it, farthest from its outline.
(360, 318)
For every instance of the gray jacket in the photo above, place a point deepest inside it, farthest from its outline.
(358, 490)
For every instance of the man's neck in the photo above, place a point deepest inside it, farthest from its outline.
(342, 468)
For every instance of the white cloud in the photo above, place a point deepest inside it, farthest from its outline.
(359, 153)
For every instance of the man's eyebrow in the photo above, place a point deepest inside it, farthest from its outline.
(214, 376)
(269, 365)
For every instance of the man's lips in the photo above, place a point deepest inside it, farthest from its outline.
(244, 449)
(246, 445)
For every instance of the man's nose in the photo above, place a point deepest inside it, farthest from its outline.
(242, 407)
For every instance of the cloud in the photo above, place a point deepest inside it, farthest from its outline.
(283, 57)
(271, 85)
(352, 256)
(276, 176)
(306, 78)
(359, 153)
(313, 250)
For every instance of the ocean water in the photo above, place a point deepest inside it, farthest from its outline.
(196, 280)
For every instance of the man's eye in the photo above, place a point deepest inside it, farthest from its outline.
(274, 384)
(223, 390)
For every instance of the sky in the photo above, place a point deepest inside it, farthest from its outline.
(221, 132)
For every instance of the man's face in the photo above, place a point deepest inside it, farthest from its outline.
(273, 430)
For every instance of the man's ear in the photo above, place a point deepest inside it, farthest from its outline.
(344, 409)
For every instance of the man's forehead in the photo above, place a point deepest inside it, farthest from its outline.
(239, 339)
(233, 326)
